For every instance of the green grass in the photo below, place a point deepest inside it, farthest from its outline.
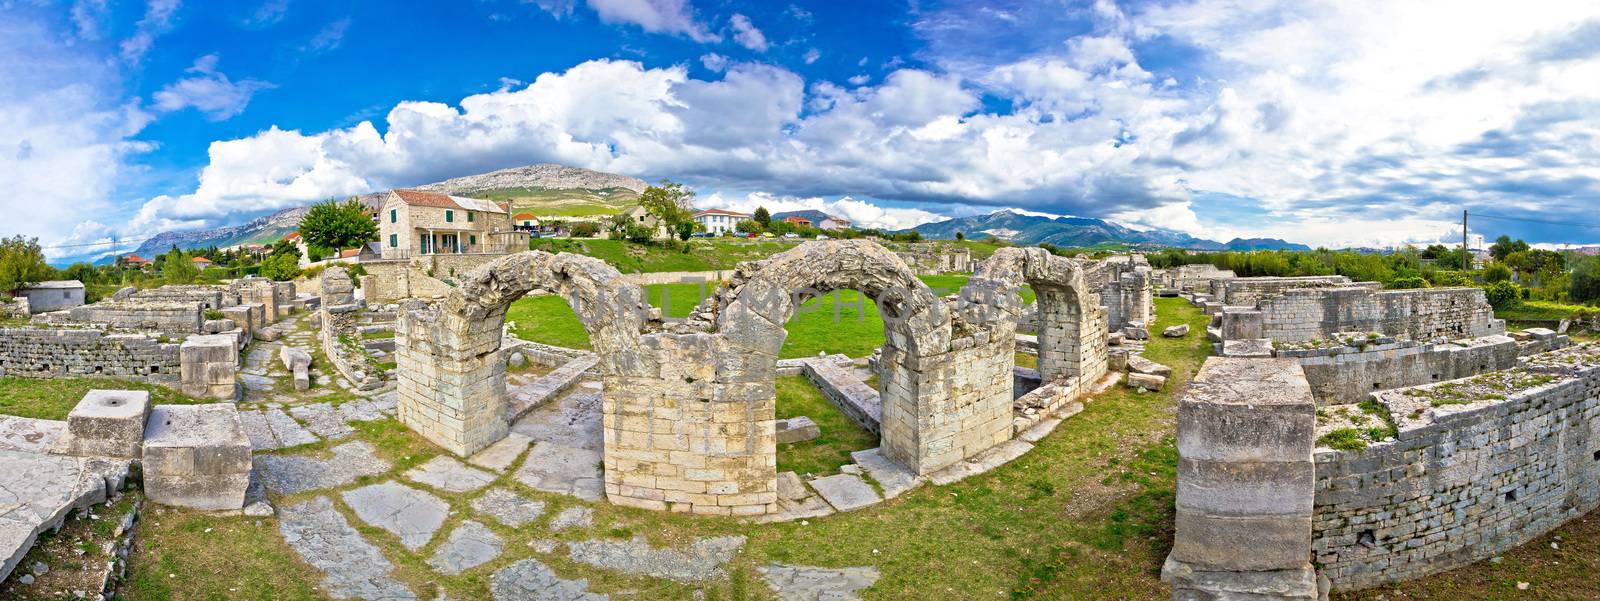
(857, 331)
(695, 255)
(1536, 310)
(824, 454)
(186, 555)
(55, 398)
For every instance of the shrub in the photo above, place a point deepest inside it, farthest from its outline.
(1496, 272)
(1504, 295)
(639, 234)
(1343, 439)
(584, 229)
(1451, 278)
(1407, 283)
(214, 314)
(1585, 284)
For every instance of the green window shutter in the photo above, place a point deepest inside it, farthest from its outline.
(394, 240)
(449, 216)
(472, 239)
(394, 215)
(469, 216)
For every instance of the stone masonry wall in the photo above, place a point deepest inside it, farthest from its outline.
(45, 353)
(1310, 314)
(1347, 374)
(211, 297)
(1249, 291)
(165, 317)
(1463, 482)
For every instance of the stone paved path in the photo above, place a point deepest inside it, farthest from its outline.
(530, 580)
(447, 474)
(802, 583)
(270, 429)
(702, 561)
(556, 468)
(292, 474)
(572, 517)
(352, 568)
(507, 507)
(410, 514)
(471, 545)
(573, 420)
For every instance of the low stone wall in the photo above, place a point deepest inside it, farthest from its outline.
(1192, 278)
(1349, 374)
(388, 281)
(1463, 482)
(164, 317)
(338, 325)
(210, 297)
(1249, 291)
(49, 353)
(545, 355)
(1425, 314)
(853, 397)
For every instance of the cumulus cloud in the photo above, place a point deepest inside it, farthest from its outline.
(208, 91)
(714, 62)
(674, 17)
(746, 34)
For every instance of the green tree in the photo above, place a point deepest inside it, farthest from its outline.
(1504, 246)
(584, 229)
(1585, 286)
(761, 217)
(333, 224)
(685, 229)
(177, 268)
(82, 272)
(281, 267)
(21, 263)
(1496, 272)
(669, 202)
(960, 236)
(748, 226)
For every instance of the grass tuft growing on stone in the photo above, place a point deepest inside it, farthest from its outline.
(55, 398)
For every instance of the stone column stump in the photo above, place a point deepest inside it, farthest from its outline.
(197, 456)
(208, 366)
(107, 423)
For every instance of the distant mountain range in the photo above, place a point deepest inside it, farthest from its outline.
(1080, 232)
(572, 182)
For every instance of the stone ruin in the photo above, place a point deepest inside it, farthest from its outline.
(688, 407)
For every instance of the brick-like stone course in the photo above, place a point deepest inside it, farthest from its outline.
(49, 353)
(1348, 374)
(1310, 314)
(1463, 482)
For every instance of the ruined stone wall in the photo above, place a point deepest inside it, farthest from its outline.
(165, 317)
(1127, 297)
(1194, 278)
(258, 290)
(1310, 314)
(934, 258)
(451, 266)
(1348, 374)
(49, 353)
(1463, 482)
(340, 340)
(394, 280)
(211, 297)
(1249, 291)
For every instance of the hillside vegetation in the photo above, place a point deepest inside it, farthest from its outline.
(572, 202)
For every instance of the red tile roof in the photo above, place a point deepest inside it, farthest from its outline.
(292, 236)
(133, 258)
(426, 199)
(522, 216)
(797, 219)
(200, 260)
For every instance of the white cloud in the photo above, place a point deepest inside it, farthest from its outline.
(209, 91)
(269, 13)
(856, 80)
(328, 38)
(714, 62)
(673, 17)
(88, 16)
(811, 55)
(158, 16)
(746, 34)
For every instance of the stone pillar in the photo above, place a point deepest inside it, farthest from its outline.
(197, 456)
(1245, 483)
(208, 366)
(692, 429)
(337, 287)
(1072, 336)
(107, 423)
(452, 384)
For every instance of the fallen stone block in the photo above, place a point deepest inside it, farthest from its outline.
(797, 429)
(107, 423)
(1247, 348)
(1146, 381)
(1115, 339)
(298, 362)
(197, 456)
(1177, 331)
(1136, 331)
(1141, 365)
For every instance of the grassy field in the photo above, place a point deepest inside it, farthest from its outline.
(843, 322)
(55, 398)
(824, 454)
(1531, 310)
(695, 255)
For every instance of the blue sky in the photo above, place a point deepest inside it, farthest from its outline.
(1330, 123)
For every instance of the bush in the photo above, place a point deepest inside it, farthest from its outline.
(1585, 286)
(280, 267)
(584, 229)
(639, 234)
(1451, 278)
(1496, 272)
(1407, 283)
(1504, 295)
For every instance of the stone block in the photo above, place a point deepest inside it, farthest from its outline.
(797, 429)
(1141, 365)
(1146, 381)
(107, 423)
(1247, 410)
(207, 366)
(1248, 543)
(196, 456)
(1247, 348)
(1177, 331)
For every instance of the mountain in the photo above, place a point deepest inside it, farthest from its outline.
(1079, 232)
(814, 215)
(563, 190)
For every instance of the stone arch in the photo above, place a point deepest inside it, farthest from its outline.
(1072, 324)
(921, 424)
(452, 386)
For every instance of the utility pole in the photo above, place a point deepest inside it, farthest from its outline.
(1464, 250)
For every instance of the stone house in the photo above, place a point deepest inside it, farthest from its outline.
(525, 221)
(52, 296)
(638, 215)
(718, 221)
(797, 220)
(818, 219)
(414, 223)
